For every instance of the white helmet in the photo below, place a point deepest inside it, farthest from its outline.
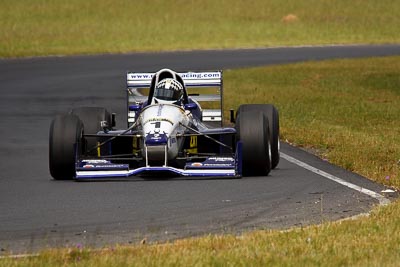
(168, 91)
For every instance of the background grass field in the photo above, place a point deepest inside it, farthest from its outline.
(345, 111)
(53, 27)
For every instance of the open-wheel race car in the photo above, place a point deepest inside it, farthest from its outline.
(168, 133)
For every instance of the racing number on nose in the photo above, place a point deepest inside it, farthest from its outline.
(157, 124)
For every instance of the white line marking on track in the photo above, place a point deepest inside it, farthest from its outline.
(382, 200)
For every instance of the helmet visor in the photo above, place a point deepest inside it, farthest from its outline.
(167, 94)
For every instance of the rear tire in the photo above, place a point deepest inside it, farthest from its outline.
(64, 144)
(272, 114)
(91, 118)
(252, 130)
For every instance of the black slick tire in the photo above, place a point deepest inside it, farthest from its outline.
(272, 114)
(252, 130)
(64, 144)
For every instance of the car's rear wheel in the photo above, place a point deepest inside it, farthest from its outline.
(64, 145)
(253, 131)
(272, 114)
(91, 118)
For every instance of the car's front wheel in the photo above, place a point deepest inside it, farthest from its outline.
(253, 131)
(64, 145)
(272, 114)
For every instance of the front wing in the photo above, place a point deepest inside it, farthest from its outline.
(212, 167)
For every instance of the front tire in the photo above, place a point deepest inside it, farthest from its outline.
(253, 131)
(64, 144)
(272, 114)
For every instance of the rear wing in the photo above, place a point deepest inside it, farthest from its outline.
(211, 81)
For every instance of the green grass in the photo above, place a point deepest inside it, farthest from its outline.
(52, 27)
(346, 111)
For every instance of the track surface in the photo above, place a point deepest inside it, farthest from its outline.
(37, 212)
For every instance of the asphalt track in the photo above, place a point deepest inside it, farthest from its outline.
(37, 212)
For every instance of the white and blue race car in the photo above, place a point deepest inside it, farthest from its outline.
(168, 133)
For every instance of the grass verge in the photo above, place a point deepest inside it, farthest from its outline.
(346, 111)
(49, 27)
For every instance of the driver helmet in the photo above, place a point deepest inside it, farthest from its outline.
(168, 91)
